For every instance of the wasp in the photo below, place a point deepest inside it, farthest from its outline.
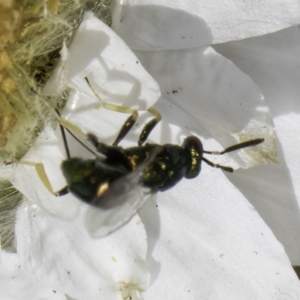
(160, 167)
(118, 184)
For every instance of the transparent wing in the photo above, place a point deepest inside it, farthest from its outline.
(119, 203)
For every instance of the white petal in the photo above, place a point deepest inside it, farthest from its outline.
(15, 284)
(156, 24)
(273, 63)
(114, 71)
(161, 26)
(48, 150)
(213, 245)
(57, 82)
(207, 94)
(63, 254)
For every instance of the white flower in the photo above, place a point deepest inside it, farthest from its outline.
(204, 240)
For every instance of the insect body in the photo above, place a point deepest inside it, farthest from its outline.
(117, 186)
(157, 167)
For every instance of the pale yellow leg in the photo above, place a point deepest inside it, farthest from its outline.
(40, 170)
(131, 120)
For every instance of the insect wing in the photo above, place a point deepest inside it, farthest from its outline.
(119, 204)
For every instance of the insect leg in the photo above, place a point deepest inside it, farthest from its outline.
(39, 167)
(110, 152)
(114, 154)
(40, 170)
(126, 127)
(101, 147)
(119, 108)
(236, 147)
(149, 126)
(62, 192)
(62, 130)
(66, 125)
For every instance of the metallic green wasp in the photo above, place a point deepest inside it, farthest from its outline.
(119, 184)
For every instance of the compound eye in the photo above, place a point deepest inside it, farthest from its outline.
(194, 150)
